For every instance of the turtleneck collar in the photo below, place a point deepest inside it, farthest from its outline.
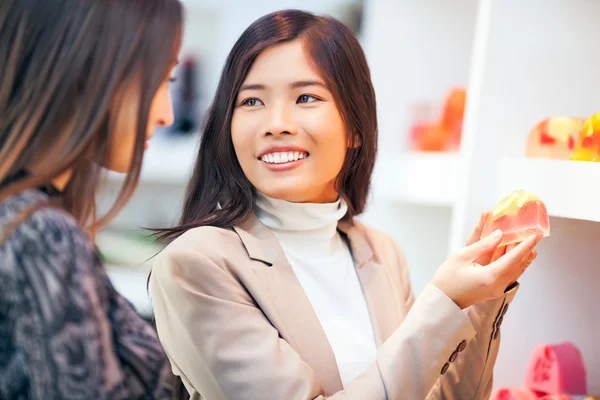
(313, 220)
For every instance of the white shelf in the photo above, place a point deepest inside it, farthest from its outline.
(131, 283)
(569, 189)
(419, 178)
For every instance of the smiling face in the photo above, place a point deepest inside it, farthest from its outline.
(286, 129)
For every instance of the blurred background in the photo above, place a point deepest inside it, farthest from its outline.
(520, 62)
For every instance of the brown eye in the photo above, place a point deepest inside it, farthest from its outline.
(251, 102)
(305, 99)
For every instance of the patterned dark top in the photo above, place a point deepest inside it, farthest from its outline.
(65, 333)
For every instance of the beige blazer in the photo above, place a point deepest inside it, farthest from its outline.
(236, 324)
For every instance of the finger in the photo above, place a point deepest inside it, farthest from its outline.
(480, 247)
(510, 263)
(525, 263)
(487, 258)
(476, 234)
(499, 252)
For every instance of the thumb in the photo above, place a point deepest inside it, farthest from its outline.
(481, 247)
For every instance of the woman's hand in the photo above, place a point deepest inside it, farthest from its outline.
(483, 270)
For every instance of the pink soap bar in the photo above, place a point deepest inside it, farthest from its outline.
(518, 215)
(514, 394)
(557, 369)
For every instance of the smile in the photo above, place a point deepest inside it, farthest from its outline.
(283, 157)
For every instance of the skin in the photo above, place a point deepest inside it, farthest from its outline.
(121, 152)
(284, 102)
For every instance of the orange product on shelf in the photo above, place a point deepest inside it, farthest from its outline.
(442, 134)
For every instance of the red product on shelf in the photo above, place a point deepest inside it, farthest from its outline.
(554, 138)
(514, 394)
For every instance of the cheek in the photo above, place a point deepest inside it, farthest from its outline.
(331, 138)
(123, 142)
(241, 136)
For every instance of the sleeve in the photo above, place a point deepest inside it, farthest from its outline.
(468, 371)
(224, 347)
(73, 336)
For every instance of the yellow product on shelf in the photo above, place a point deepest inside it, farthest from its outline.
(587, 147)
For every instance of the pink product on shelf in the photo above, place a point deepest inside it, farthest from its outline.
(514, 394)
(519, 215)
(557, 369)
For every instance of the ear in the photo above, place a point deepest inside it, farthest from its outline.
(354, 142)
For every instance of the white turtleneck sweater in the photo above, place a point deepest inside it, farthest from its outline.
(323, 264)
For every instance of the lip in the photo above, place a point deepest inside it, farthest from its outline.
(281, 149)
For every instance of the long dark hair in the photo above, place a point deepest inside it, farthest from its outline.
(339, 58)
(65, 67)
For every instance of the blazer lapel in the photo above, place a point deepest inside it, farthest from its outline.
(375, 281)
(300, 325)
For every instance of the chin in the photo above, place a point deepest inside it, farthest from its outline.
(121, 168)
(297, 195)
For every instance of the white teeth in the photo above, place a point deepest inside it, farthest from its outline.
(284, 157)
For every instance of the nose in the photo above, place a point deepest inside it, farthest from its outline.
(167, 115)
(280, 121)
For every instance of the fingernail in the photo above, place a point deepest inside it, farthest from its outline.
(497, 234)
(531, 257)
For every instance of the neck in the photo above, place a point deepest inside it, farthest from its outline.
(304, 221)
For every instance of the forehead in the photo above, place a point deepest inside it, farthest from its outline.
(281, 64)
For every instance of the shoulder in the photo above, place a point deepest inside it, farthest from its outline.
(198, 251)
(208, 241)
(382, 243)
(47, 235)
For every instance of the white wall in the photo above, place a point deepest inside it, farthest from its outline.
(536, 62)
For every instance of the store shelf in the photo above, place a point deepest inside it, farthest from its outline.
(130, 282)
(570, 189)
(419, 178)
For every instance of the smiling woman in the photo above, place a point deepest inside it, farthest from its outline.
(288, 133)
(271, 288)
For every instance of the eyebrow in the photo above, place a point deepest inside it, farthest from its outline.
(293, 85)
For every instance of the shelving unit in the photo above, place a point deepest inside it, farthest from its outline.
(568, 188)
(523, 61)
(417, 51)
(428, 179)
(531, 60)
